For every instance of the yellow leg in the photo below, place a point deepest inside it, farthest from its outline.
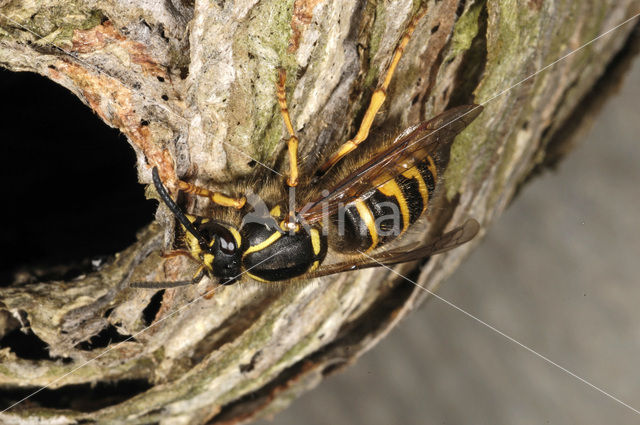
(292, 144)
(215, 197)
(377, 99)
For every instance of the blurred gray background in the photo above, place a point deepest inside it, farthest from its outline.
(559, 272)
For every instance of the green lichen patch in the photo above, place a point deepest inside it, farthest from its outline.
(377, 32)
(51, 23)
(513, 35)
(266, 38)
(466, 29)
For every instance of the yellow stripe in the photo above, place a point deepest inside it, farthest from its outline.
(432, 168)
(391, 188)
(314, 266)
(259, 279)
(236, 235)
(367, 217)
(191, 218)
(413, 173)
(315, 241)
(262, 245)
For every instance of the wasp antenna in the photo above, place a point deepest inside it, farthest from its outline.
(160, 285)
(164, 195)
(166, 285)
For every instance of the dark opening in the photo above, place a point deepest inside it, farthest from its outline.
(150, 311)
(83, 397)
(70, 190)
(27, 345)
(106, 337)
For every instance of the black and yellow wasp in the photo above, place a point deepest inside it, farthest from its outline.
(352, 207)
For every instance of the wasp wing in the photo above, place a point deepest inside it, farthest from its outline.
(445, 242)
(430, 138)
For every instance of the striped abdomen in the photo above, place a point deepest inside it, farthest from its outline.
(387, 211)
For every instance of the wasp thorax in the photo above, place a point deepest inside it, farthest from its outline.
(271, 255)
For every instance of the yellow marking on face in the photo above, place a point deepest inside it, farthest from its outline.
(432, 168)
(315, 241)
(262, 245)
(413, 173)
(192, 244)
(207, 259)
(276, 211)
(191, 218)
(391, 188)
(369, 221)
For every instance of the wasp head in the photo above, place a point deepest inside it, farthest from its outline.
(220, 252)
(214, 243)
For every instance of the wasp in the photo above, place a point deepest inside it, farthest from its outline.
(367, 202)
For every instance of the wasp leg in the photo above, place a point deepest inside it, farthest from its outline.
(176, 253)
(377, 99)
(197, 277)
(215, 197)
(292, 143)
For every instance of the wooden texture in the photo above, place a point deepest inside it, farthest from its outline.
(192, 86)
